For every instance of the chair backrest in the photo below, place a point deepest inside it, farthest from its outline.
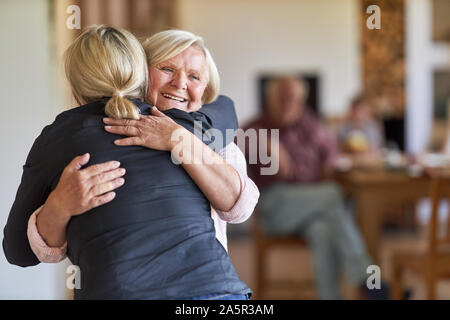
(439, 190)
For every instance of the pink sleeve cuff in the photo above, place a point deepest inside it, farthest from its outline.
(42, 251)
(248, 198)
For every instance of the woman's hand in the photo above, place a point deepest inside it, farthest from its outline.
(78, 191)
(153, 132)
(81, 190)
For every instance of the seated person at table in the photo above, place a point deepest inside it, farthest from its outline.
(360, 133)
(299, 199)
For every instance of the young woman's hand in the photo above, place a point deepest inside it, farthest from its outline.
(153, 132)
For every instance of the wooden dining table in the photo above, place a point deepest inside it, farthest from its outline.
(375, 192)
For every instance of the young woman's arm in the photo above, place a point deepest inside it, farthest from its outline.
(31, 194)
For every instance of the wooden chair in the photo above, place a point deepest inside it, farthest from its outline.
(434, 263)
(263, 244)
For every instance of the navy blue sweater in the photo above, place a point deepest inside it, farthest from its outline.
(156, 239)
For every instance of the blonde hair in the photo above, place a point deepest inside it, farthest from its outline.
(165, 45)
(108, 62)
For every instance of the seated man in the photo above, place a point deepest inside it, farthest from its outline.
(300, 199)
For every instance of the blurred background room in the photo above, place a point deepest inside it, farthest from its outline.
(381, 93)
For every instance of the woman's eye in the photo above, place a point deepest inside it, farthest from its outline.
(167, 69)
(195, 77)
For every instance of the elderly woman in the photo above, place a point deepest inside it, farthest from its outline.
(179, 63)
(129, 249)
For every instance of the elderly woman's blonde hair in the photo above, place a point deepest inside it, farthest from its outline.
(108, 62)
(165, 45)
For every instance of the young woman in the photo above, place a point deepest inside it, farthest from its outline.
(156, 239)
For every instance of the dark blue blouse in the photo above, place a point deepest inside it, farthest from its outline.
(156, 239)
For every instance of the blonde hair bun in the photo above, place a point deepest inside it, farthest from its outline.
(108, 62)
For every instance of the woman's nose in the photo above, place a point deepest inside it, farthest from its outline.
(180, 81)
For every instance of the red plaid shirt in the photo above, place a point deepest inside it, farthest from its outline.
(309, 144)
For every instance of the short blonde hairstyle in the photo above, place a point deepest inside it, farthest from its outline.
(108, 62)
(165, 45)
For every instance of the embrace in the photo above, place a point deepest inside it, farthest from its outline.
(100, 186)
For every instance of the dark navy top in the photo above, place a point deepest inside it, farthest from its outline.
(156, 239)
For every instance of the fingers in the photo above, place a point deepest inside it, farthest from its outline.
(78, 162)
(100, 200)
(133, 141)
(102, 188)
(96, 169)
(123, 130)
(106, 176)
(120, 122)
(102, 185)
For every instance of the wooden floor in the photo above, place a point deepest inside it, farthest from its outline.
(296, 263)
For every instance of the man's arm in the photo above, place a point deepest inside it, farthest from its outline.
(329, 149)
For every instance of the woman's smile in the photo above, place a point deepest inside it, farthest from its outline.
(173, 97)
(179, 82)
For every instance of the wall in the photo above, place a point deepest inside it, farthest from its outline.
(28, 103)
(248, 37)
(423, 57)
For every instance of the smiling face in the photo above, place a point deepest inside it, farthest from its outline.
(178, 82)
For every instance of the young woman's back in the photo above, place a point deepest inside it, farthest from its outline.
(156, 240)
